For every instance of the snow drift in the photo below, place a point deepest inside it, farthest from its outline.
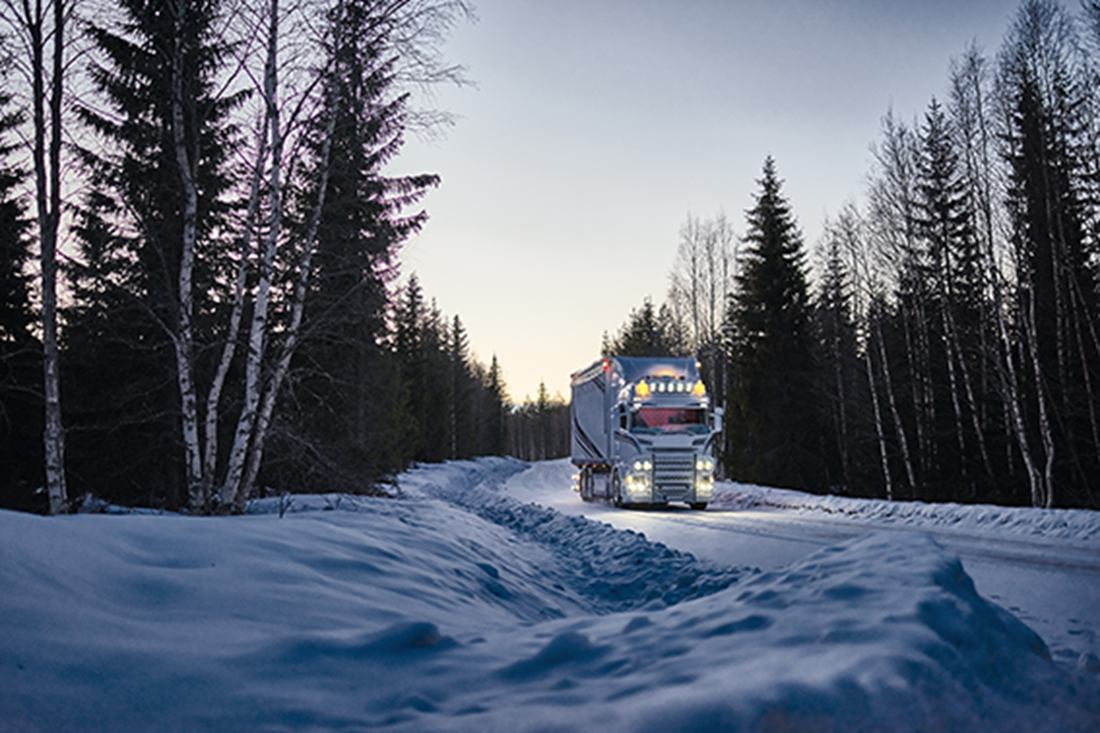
(456, 608)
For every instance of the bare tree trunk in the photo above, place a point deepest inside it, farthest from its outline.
(861, 273)
(48, 205)
(898, 425)
(1083, 314)
(183, 339)
(231, 490)
(279, 373)
(880, 432)
(213, 399)
(918, 365)
(293, 331)
(842, 405)
(949, 348)
(975, 414)
(1044, 496)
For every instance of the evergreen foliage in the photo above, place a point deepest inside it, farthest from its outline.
(1050, 199)
(648, 331)
(21, 406)
(119, 357)
(347, 388)
(771, 435)
(838, 382)
(951, 350)
(539, 429)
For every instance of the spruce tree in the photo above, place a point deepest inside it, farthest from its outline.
(648, 331)
(771, 434)
(421, 346)
(119, 348)
(1045, 96)
(494, 411)
(21, 407)
(953, 286)
(463, 389)
(837, 376)
(345, 402)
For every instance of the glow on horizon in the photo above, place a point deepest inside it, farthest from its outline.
(597, 126)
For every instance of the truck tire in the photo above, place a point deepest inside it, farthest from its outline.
(617, 490)
(698, 505)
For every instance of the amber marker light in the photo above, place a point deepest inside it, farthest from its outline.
(700, 389)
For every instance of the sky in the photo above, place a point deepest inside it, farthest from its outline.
(473, 604)
(593, 128)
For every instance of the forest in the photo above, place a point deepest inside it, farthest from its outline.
(942, 341)
(199, 261)
(199, 254)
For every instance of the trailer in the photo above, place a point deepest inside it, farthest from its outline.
(643, 432)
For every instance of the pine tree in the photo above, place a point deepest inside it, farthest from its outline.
(463, 389)
(1044, 94)
(944, 225)
(421, 346)
(493, 431)
(21, 408)
(837, 377)
(130, 226)
(647, 332)
(771, 434)
(343, 397)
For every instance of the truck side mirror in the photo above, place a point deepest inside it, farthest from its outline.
(718, 413)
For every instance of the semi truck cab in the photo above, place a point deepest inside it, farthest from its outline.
(644, 432)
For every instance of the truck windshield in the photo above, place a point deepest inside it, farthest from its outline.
(669, 420)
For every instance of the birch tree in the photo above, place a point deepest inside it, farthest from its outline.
(1043, 95)
(40, 30)
(700, 284)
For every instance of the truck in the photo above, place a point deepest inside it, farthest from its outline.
(643, 432)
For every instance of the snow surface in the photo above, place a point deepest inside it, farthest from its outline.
(462, 607)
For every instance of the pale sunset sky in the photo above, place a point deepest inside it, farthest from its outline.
(596, 126)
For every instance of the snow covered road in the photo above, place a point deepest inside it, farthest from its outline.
(1045, 570)
(481, 601)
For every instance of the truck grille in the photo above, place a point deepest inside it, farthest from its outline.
(673, 473)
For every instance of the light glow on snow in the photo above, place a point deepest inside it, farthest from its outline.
(460, 608)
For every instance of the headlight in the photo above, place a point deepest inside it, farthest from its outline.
(704, 478)
(639, 479)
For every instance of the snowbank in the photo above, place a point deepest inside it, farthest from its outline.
(1080, 527)
(459, 609)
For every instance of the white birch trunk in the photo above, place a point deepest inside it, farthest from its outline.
(881, 433)
(213, 400)
(1043, 494)
(232, 486)
(184, 338)
(898, 425)
(48, 206)
(275, 383)
(975, 414)
(953, 381)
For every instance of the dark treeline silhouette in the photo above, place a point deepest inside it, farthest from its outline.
(949, 347)
(232, 324)
(540, 429)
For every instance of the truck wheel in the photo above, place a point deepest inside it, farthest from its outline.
(617, 490)
(586, 484)
(698, 505)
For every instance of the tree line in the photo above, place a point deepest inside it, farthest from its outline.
(224, 317)
(948, 346)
